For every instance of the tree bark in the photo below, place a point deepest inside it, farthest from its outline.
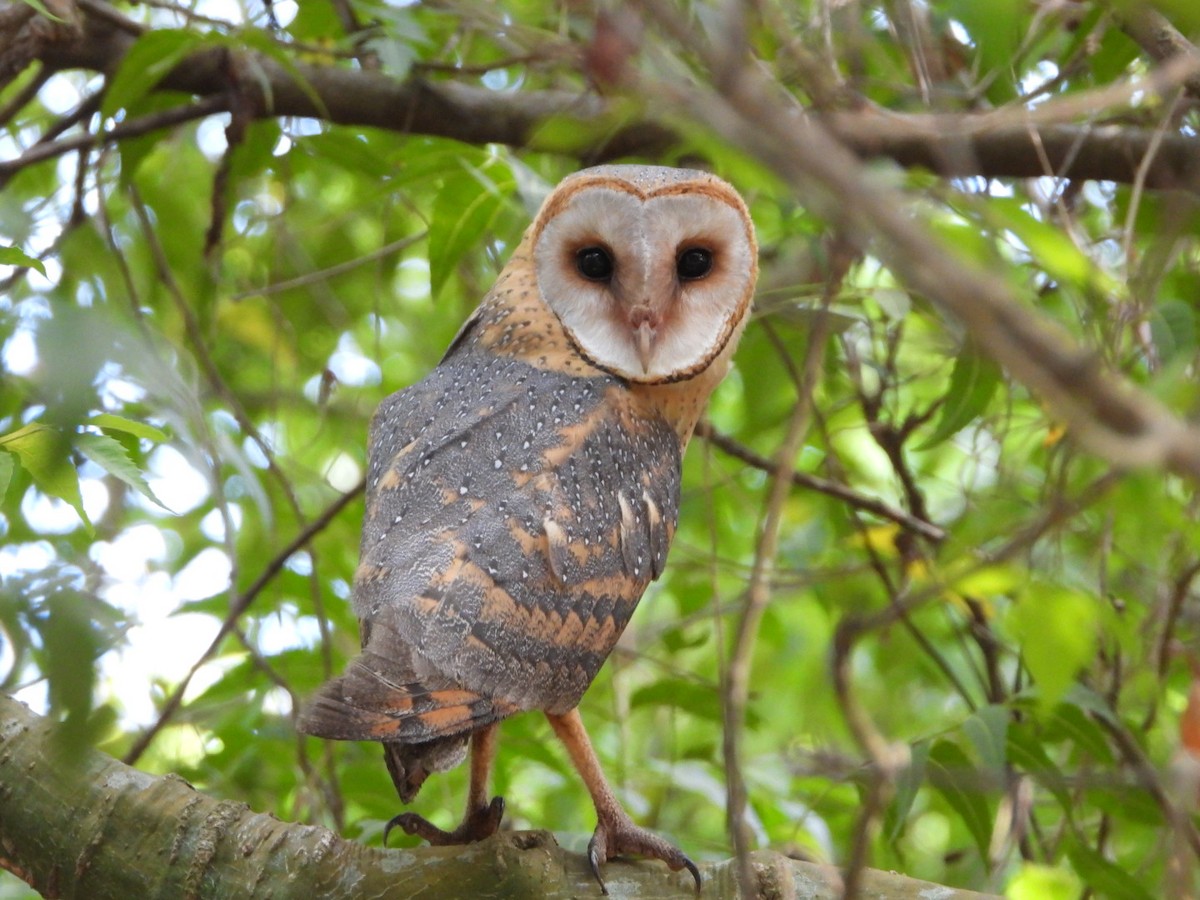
(77, 823)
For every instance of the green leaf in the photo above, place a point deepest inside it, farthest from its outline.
(464, 209)
(148, 61)
(14, 256)
(1056, 628)
(263, 43)
(1027, 752)
(1038, 882)
(997, 28)
(1103, 877)
(697, 699)
(987, 731)
(1071, 722)
(109, 422)
(70, 643)
(7, 464)
(46, 454)
(42, 10)
(111, 456)
(1173, 326)
(908, 784)
(973, 381)
(1052, 249)
(957, 781)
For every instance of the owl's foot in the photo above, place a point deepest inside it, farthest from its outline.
(616, 834)
(477, 824)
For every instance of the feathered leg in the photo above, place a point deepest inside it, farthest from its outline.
(482, 817)
(615, 832)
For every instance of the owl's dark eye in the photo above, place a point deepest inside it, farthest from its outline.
(594, 263)
(693, 263)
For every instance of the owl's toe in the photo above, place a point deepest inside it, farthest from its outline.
(479, 823)
(617, 835)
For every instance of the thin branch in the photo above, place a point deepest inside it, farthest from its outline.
(825, 486)
(237, 609)
(133, 128)
(758, 593)
(18, 100)
(334, 271)
(1158, 37)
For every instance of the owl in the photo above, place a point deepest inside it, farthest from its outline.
(522, 497)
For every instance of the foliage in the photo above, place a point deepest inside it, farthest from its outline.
(197, 323)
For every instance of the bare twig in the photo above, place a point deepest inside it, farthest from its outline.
(758, 593)
(834, 489)
(134, 127)
(237, 609)
(18, 100)
(331, 272)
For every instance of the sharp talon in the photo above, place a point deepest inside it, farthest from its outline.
(691, 867)
(594, 861)
(392, 823)
(616, 835)
(478, 824)
(495, 812)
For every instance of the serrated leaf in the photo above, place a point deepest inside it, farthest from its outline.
(110, 422)
(13, 256)
(46, 455)
(955, 779)
(973, 381)
(151, 57)
(464, 209)
(109, 455)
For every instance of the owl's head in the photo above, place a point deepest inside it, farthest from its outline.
(650, 270)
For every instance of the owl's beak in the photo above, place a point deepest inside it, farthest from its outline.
(644, 321)
(644, 337)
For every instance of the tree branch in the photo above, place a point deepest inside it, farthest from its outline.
(1107, 413)
(950, 145)
(77, 823)
(1161, 40)
(833, 489)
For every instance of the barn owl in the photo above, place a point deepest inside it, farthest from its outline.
(522, 496)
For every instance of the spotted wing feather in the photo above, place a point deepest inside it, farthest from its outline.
(514, 518)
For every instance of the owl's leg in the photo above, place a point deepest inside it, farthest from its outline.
(482, 817)
(615, 832)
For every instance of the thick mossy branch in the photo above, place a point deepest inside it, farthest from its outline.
(81, 824)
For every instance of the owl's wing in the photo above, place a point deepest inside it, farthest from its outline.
(514, 519)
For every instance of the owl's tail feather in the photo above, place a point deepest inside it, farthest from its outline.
(375, 700)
